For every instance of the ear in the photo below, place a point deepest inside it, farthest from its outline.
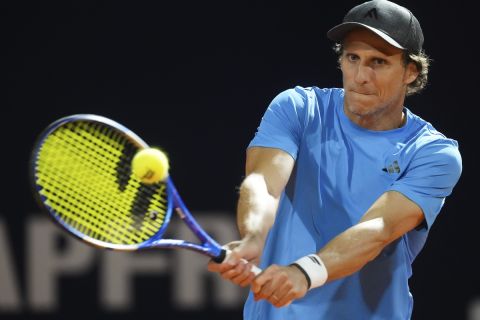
(411, 73)
(340, 62)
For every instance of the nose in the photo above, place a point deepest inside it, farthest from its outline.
(363, 74)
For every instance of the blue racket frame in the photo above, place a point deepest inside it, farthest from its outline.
(207, 246)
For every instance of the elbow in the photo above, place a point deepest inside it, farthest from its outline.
(256, 182)
(253, 185)
(252, 181)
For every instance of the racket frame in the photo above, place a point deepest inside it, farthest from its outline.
(207, 246)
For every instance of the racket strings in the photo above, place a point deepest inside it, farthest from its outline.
(90, 196)
(124, 166)
(84, 171)
(130, 233)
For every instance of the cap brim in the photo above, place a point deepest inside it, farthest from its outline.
(339, 32)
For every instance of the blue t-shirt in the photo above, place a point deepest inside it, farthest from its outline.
(340, 170)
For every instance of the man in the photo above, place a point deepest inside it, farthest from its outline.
(343, 185)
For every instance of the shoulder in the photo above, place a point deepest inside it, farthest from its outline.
(431, 146)
(297, 96)
(426, 135)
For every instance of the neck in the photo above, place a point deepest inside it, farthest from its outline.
(378, 121)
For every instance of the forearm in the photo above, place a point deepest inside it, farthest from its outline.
(256, 207)
(390, 216)
(355, 247)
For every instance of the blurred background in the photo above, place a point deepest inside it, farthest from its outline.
(195, 78)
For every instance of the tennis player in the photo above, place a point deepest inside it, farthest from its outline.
(343, 185)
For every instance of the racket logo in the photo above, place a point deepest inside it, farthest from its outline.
(153, 215)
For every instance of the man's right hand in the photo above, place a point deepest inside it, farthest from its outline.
(234, 267)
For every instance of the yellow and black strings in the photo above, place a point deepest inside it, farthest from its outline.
(83, 169)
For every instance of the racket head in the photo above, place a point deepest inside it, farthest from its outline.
(80, 171)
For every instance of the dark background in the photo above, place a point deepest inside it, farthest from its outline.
(195, 78)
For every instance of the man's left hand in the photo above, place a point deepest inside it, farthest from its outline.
(279, 285)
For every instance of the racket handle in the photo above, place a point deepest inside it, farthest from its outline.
(255, 270)
(224, 255)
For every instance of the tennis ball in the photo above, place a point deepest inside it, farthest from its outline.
(150, 165)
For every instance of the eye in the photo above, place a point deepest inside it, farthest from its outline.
(379, 61)
(352, 57)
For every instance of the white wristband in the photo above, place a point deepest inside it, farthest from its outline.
(314, 269)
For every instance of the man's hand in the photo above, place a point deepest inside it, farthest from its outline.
(280, 285)
(234, 268)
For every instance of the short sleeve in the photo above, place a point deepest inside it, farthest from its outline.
(431, 176)
(283, 123)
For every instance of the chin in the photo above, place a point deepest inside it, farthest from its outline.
(363, 106)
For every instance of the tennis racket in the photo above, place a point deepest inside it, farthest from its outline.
(81, 173)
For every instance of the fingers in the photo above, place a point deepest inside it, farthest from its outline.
(214, 267)
(286, 299)
(239, 261)
(279, 285)
(240, 275)
(264, 286)
(282, 297)
(233, 269)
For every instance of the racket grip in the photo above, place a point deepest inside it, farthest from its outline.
(224, 255)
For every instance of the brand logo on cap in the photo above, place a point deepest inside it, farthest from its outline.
(372, 13)
(394, 23)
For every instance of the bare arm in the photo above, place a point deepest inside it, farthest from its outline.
(267, 173)
(391, 216)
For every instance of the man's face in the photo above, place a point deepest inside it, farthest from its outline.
(375, 77)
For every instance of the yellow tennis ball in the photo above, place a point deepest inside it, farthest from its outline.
(150, 165)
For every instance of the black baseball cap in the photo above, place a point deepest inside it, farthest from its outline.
(394, 23)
